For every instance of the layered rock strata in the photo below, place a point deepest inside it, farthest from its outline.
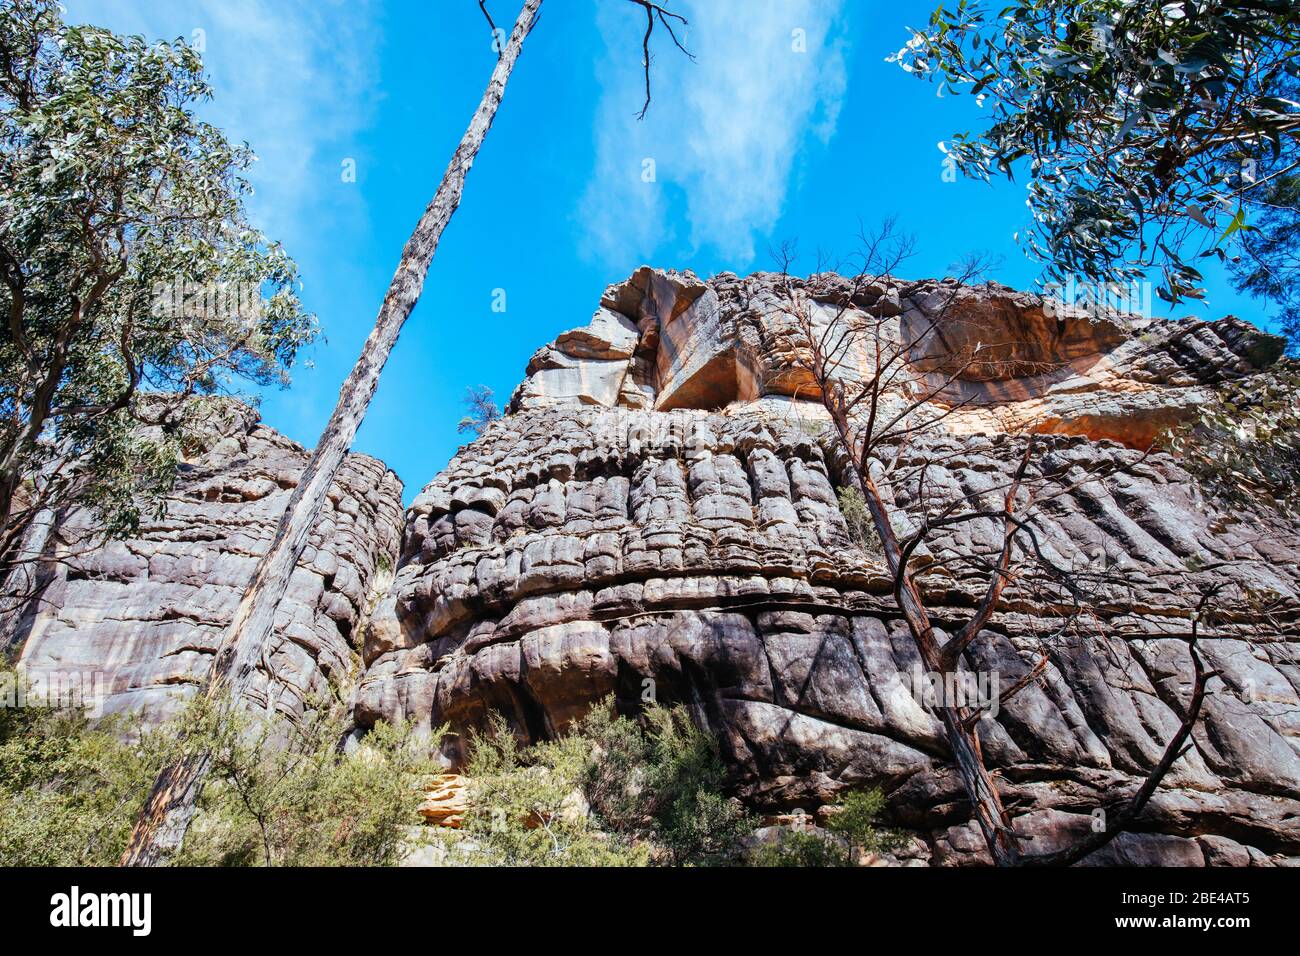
(660, 513)
(142, 617)
(659, 517)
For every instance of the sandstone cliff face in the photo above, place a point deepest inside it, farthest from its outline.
(659, 516)
(146, 614)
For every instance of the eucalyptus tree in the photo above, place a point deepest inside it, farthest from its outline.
(1154, 135)
(130, 278)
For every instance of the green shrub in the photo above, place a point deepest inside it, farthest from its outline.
(856, 821)
(693, 821)
(800, 848)
(528, 807)
(851, 829)
(69, 793)
(857, 518)
(610, 792)
(284, 794)
(278, 794)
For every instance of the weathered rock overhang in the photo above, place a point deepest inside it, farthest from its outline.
(1007, 361)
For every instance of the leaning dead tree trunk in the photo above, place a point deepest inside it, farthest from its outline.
(165, 818)
(826, 351)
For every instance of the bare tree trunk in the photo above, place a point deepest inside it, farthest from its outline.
(162, 823)
(962, 738)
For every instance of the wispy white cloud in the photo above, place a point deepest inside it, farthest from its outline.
(725, 133)
(296, 79)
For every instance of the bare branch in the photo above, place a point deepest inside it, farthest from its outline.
(482, 5)
(1032, 675)
(998, 582)
(1119, 821)
(656, 13)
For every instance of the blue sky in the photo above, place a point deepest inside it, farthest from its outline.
(752, 143)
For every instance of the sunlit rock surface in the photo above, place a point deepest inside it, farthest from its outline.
(658, 517)
(145, 615)
(674, 525)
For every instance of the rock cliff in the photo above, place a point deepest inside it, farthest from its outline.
(658, 516)
(147, 613)
(660, 512)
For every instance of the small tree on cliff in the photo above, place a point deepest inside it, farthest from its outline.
(130, 279)
(171, 804)
(480, 410)
(886, 384)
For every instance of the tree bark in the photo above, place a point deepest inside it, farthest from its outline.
(962, 738)
(162, 823)
(961, 735)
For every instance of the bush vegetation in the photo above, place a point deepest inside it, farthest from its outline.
(280, 794)
(611, 792)
(69, 793)
(622, 792)
(285, 794)
(851, 830)
(1244, 444)
(858, 520)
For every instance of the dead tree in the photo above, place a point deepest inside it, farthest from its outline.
(655, 13)
(863, 367)
(166, 816)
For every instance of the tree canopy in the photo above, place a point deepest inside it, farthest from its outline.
(131, 280)
(1268, 265)
(1155, 134)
